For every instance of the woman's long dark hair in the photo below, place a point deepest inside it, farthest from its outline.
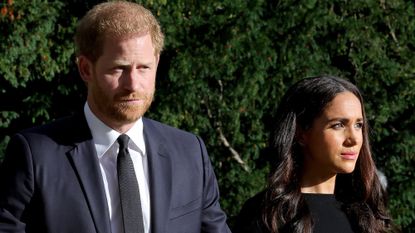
(361, 193)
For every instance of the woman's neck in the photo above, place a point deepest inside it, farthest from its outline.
(313, 183)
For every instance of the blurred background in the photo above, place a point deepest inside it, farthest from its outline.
(225, 66)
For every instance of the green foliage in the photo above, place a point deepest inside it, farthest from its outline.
(218, 60)
(35, 51)
(224, 68)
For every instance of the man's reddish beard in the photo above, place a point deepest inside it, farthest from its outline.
(114, 107)
(123, 111)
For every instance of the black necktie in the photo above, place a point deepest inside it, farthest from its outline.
(129, 192)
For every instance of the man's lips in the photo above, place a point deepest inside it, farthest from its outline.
(131, 101)
(126, 100)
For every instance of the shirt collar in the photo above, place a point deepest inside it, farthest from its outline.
(104, 136)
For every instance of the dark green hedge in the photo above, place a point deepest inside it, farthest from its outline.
(225, 66)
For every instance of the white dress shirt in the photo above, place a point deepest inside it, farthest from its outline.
(105, 140)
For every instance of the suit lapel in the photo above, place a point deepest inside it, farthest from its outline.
(160, 176)
(86, 165)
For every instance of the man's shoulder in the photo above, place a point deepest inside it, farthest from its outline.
(165, 129)
(63, 130)
(170, 136)
(59, 123)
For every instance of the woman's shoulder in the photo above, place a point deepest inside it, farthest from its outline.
(249, 219)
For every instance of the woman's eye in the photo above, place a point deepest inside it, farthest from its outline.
(359, 125)
(337, 125)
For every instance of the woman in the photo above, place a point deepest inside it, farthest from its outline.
(324, 179)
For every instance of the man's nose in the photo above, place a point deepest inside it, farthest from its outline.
(131, 80)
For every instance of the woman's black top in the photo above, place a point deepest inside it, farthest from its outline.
(327, 214)
(325, 210)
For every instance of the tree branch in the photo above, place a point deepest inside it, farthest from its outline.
(224, 140)
(235, 154)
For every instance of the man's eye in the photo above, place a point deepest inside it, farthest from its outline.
(143, 67)
(116, 70)
(119, 68)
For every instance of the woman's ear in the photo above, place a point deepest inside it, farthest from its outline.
(85, 68)
(300, 136)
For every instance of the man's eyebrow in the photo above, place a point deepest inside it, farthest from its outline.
(126, 63)
(120, 63)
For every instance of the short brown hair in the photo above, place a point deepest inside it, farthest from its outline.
(116, 19)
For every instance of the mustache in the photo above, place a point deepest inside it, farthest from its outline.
(132, 96)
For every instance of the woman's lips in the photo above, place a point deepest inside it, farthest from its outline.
(349, 155)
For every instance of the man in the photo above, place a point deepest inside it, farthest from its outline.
(74, 175)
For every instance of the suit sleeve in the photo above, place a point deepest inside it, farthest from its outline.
(213, 217)
(16, 185)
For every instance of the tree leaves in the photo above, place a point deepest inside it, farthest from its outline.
(225, 66)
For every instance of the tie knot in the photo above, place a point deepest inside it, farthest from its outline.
(123, 140)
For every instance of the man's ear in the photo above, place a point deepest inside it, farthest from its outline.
(157, 59)
(85, 68)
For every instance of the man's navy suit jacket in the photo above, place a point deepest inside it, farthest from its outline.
(50, 182)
